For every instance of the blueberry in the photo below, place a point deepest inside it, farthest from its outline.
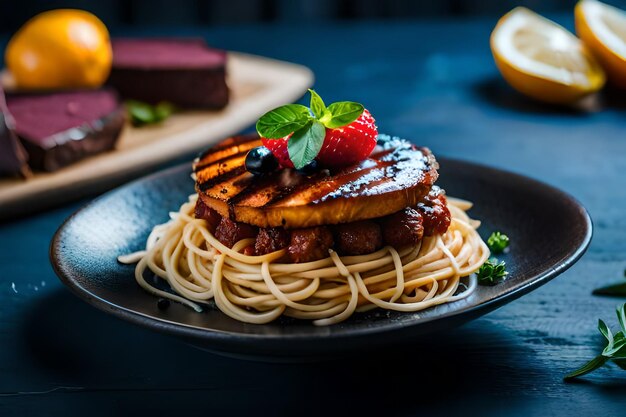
(260, 160)
(309, 168)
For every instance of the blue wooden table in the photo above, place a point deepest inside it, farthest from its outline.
(431, 82)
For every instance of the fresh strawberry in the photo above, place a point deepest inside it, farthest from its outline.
(348, 144)
(279, 148)
(342, 146)
(341, 134)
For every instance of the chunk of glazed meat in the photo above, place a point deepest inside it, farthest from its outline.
(229, 232)
(435, 212)
(310, 244)
(270, 240)
(402, 229)
(358, 238)
(212, 217)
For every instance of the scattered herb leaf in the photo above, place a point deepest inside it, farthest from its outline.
(590, 366)
(497, 242)
(163, 110)
(145, 114)
(606, 332)
(615, 290)
(621, 318)
(618, 290)
(491, 272)
(140, 113)
(614, 351)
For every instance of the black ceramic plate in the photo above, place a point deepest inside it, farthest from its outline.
(549, 231)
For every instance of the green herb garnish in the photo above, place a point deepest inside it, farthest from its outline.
(303, 144)
(614, 351)
(341, 113)
(307, 125)
(615, 290)
(491, 272)
(497, 242)
(145, 114)
(283, 120)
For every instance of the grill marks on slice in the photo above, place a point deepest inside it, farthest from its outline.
(229, 147)
(290, 199)
(223, 183)
(352, 181)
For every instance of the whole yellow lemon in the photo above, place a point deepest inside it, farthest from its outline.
(62, 48)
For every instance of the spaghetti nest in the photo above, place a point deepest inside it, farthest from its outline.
(258, 289)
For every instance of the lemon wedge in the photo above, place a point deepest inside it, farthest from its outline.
(543, 60)
(603, 30)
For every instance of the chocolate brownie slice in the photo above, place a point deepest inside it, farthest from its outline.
(58, 129)
(184, 72)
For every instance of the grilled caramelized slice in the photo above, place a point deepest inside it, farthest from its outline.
(396, 175)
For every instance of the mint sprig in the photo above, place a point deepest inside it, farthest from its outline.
(317, 105)
(282, 121)
(305, 144)
(145, 114)
(307, 126)
(614, 351)
(343, 113)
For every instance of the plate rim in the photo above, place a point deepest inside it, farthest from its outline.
(65, 275)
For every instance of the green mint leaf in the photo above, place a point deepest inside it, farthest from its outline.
(282, 121)
(606, 332)
(317, 104)
(619, 355)
(621, 352)
(305, 144)
(590, 366)
(140, 113)
(144, 113)
(497, 242)
(163, 110)
(616, 290)
(343, 113)
(615, 351)
(612, 350)
(621, 317)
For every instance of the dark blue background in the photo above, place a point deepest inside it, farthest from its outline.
(435, 83)
(138, 13)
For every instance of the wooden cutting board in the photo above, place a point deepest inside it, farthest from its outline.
(257, 85)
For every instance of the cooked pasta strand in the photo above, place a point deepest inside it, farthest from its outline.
(258, 289)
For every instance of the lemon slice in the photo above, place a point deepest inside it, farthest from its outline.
(603, 30)
(543, 60)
